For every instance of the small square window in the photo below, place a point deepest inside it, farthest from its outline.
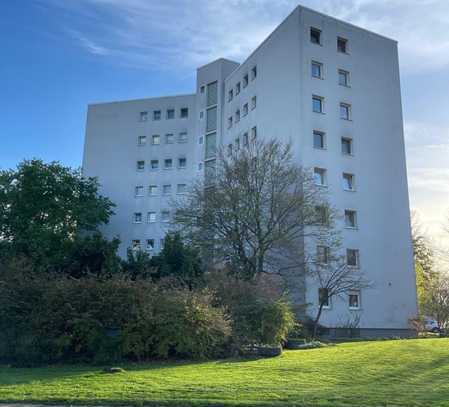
(345, 111)
(352, 258)
(229, 122)
(138, 191)
(342, 45)
(140, 165)
(319, 176)
(170, 114)
(135, 244)
(166, 189)
(184, 112)
(321, 213)
(168, 163)
(181, 188)
(319, 140)
(245, 80)
(165, 216)
(254, 133)
(315, 35)
(150, 245)
(169, 138)
(182, 162)
(253, 102)
(151, 217)
(323, 297)
(154, 164)
(354, 300)
(201, 115)
(343, 77)
(322, 254)
(237, 144)
(155, 139)
(237, 115)
(152, 190)
(143, 116)
(200, 166)
(200, 140)
(142, 140)
(202, 89)
(346, 146)
(350, 219)
(230, 94)
(253, 72)
(317, 104)
(348, 182)
(156, 115)
(245, 140)
(137, 217)
(245, 109)
(182, 137)
(317, 69)
(230, 149)
(237, 88)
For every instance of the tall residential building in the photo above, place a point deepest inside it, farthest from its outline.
(329, 88)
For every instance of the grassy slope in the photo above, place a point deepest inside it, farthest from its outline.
(389, 373)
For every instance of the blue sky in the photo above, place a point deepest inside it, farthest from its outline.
(60, 55)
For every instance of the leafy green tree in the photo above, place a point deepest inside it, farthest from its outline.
(45, 209)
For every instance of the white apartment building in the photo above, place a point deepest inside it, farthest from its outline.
(326, 86)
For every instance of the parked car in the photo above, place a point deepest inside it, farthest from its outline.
(430, 325)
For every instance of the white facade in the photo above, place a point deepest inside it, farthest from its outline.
(350, 71)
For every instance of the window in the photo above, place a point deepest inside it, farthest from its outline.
(182, 163)
(350, 219)
(200, 166)
(343, 77)
(317, 104)
(317, 70)
(230, 94)
(319, 176)
(211, 145)
(143, 116)
(168, 163)
(135, 244)
(165, 215)
(318, 140)
(202, 88)
(245, 80)
(322, 254)
(140, 165)
(346, 146)
(154, 164)
(354, 299)
(348, 182)
(237, 115)
(156, 115)
(200, 140)
(151, 217)
(323, 297)
(150, 244)
(138, 191)
(352, 258)
(254, 133)
(181, 188)
(321, 214)
(184, 112)
(237, 88)
(169, 138)
(253, 102)
(229, 122)
(315, 35)
(245, 140)
(182, 137)
(211, 119)
(137, 217)
(166, 189)
(230, 148)
(170, 114)
(152, 190)
(253, 72)
(237, 144)
(212, 93)
(156, 139)
(142, 140)
(209, 170)
(342, 45)
(345, 111)
(201, 115)
(245, 109)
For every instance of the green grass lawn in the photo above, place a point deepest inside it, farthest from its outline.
(386, 373)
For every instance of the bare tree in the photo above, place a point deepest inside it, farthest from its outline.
(437, 302)
(257, 213)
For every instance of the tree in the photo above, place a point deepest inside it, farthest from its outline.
(45, 209)
(255, 216)
(437, 302)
